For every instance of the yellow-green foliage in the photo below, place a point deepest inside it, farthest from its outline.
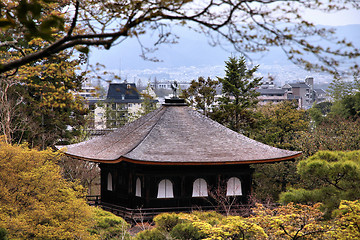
(291, 221)
(35, 201)
(167, 221)
(109, 226)
(231, 227)
(347, 220)
(152, 234)
(288, 222)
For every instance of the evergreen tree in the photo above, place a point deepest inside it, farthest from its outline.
(329, 177)
(239, 95)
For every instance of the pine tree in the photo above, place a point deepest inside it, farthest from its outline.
(239, 95)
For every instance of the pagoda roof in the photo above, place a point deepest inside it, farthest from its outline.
(176, 135)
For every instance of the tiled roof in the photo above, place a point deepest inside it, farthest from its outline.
(176, 135)
(122, 91)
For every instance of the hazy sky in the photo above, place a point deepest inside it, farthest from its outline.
(126, 55)
(334, 19)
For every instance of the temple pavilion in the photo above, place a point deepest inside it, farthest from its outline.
(174, 159)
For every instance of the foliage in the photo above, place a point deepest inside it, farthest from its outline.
(278, 125)
(333, 133)
(269, 180)
(109, 226)
(348, 106)
(348, 220)
(36, 202)
(339, 88)
(151, 234)
(319, 111)
(171, 226)
(292, 221)
(167, 221)
(3, 234)
(185, 231)
(38, 104)
(201, 94)
(239, 95)
(232, 227)
(329, 177)
(346, 97)
(248, 26)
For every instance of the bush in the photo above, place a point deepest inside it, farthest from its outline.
(152, 234)
(109, 226)
(186, 231)
(167, 221)
(3, 234)
(211, 217)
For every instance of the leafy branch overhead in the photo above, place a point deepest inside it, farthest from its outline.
(250, 26)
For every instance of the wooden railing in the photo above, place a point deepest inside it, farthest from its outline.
(147, 214)
(93, 200)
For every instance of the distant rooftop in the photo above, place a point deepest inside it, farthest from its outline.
(122, 91)
(299, 85)
(270, 91)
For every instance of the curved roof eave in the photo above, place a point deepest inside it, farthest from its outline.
(125, 159)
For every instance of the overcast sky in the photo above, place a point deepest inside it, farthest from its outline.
(334, 19)
(129, 57)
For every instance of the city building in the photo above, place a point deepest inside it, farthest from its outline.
(303, 92)
(121, 104)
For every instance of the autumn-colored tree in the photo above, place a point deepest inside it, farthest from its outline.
(333, 133)
(239, 95)
(347, 220)
(328, 177)
(288, 222)
(291, 221)
(249, 26)
(36, 202)
(39, 101)
(201, 94)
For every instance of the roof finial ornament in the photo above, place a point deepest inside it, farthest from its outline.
(174, 87)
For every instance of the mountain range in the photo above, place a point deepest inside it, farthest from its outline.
(192, 57)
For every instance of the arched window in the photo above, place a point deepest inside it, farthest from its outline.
(200, 188)
(138, 188)
(109, 186)
(233, 187)
(165, 189)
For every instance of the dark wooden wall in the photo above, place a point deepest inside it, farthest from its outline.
(124, 177)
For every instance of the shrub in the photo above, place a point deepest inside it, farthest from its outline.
(152, 234)
(167, 221)
(109, 226)
(3, 234)
(186, 231)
